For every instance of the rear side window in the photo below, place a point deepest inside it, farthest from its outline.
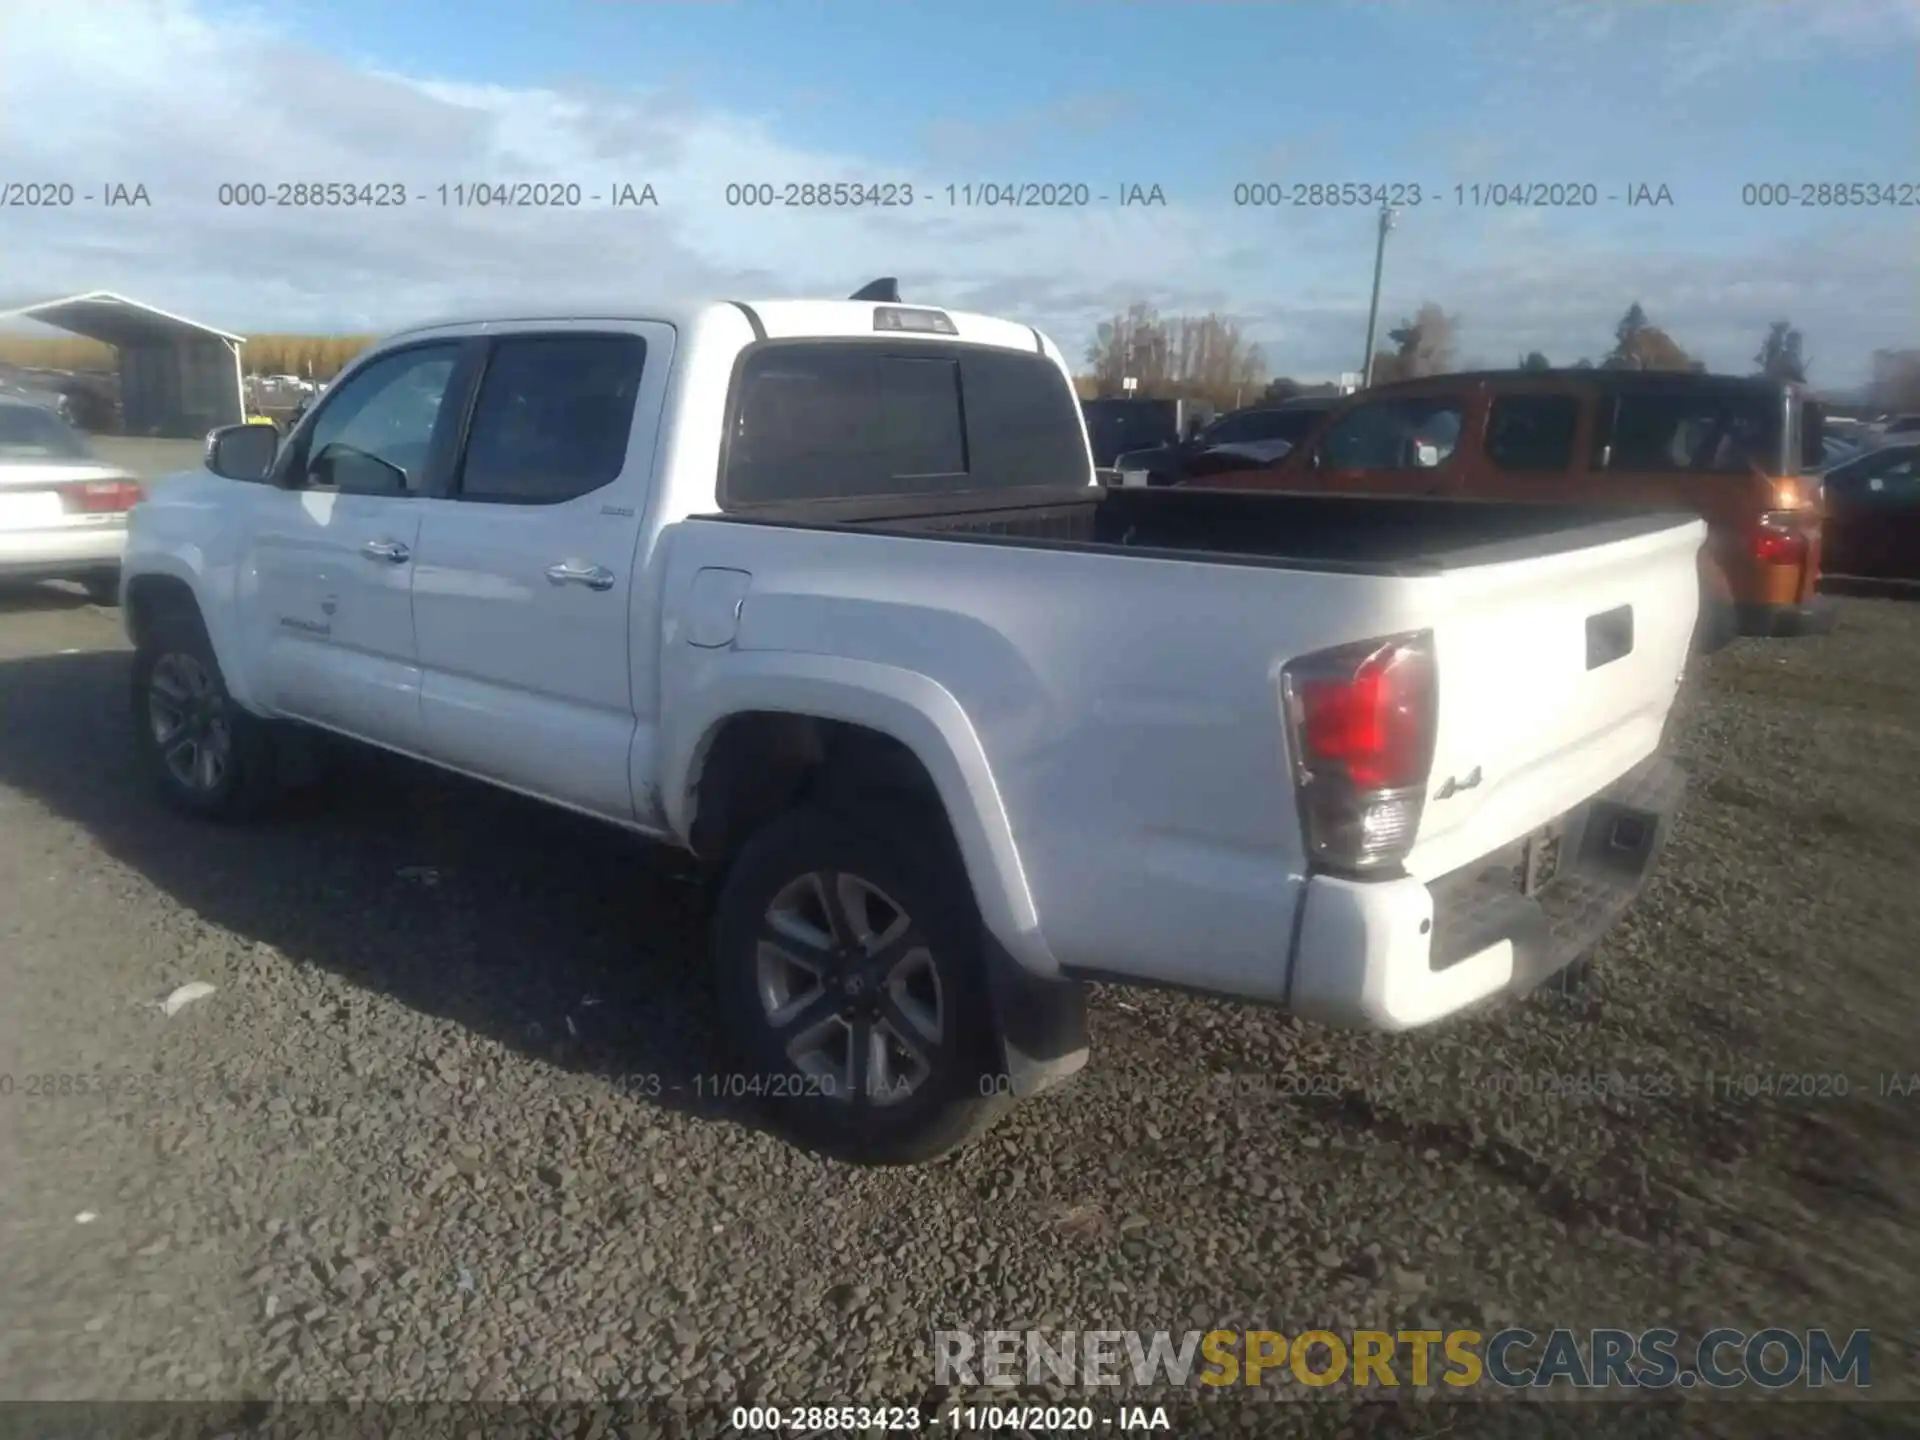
(1704, 430)
(852, 420)
(1391, 434)
(1532, 432)
(552, 419)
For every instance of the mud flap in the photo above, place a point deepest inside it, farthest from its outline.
(1041, 1023)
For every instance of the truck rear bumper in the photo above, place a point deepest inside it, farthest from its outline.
(1396, 954)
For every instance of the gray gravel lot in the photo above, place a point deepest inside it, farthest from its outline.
(439, 1131)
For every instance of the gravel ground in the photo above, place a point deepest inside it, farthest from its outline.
(437, 1133)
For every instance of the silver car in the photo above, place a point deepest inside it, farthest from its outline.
(63, 511)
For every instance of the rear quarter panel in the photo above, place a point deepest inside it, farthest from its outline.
(1126, 711)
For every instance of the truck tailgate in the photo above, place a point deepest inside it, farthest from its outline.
(1556, 675)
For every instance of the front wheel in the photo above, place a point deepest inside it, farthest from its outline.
(205, 754)
(852, 983)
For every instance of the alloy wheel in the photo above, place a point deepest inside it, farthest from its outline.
(850, 987)
(188, 718)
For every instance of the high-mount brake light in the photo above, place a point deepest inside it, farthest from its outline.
(1360, 729)
(911, 321)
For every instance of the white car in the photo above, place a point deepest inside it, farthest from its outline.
(827, 593)
(63, 511)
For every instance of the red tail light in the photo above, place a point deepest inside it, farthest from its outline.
(1360, 722)
(103, 497)
(1781, 537)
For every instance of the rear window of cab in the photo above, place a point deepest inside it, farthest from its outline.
(853, 419)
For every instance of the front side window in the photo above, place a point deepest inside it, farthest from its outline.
(375, 432)
(552, 419)
(1400, 434)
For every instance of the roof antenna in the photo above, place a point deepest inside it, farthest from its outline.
(885, 291)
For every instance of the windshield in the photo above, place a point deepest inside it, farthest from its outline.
(1257, 425)
(29, 433)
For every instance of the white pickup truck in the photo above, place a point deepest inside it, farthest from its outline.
(826, 593)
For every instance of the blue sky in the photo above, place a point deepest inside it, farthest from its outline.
(1701, 96)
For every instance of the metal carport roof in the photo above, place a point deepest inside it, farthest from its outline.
(113, 319)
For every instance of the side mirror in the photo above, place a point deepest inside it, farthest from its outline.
(341, 467)
(242, 452)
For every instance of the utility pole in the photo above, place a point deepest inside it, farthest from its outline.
(1373, 309)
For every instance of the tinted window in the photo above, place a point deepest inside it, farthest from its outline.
(1117, 426)
(1387, 434)
(815, 422)
(1705, 429)
(552, 419)
(29, 433)
(374, 433)
(1532, 432)
(1890, 477)
(1289, 425)
(1023, 426)
(920, 417)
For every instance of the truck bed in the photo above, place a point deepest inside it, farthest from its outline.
(1344, 534)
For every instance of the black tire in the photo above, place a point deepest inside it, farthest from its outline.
(956, 1100)
(247, 782)
(102, 587)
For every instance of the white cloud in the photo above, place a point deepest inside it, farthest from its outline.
(154, 91)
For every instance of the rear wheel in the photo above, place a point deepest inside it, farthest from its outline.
(205, 754)
(851, 979)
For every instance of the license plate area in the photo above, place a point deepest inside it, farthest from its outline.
(1539, 863)
(23, 509)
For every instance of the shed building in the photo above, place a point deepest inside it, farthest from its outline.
(178, 377)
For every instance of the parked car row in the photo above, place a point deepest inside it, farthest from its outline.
(1746, 454)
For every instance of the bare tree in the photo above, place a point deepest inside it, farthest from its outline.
(1426, 343)
(1779, 357)
(1184, 356)
(1639, 344)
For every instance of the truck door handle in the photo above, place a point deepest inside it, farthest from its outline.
(594, 577)
(392, 551)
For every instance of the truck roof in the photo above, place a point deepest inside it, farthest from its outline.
(772, 319)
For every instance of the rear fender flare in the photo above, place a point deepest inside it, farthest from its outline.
(911, 708)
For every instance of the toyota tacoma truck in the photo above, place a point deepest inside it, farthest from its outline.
(826, 592)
